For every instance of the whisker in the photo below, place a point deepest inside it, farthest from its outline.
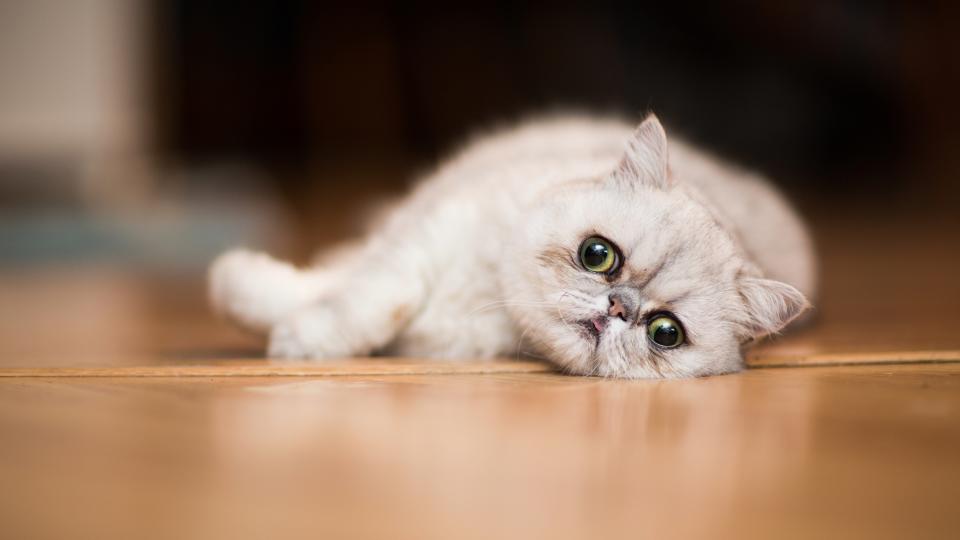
(563, 319)
(623, 364)
(538, 356)
(581, 296)
(520, 341)
(593, 368)
(507, 303)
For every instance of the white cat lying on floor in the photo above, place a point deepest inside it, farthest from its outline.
(573, 239)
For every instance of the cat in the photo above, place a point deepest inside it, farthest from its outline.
(576, 239)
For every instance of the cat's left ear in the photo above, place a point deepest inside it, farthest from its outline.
(770, 306)
(645, 160)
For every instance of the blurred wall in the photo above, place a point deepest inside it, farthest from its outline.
(73, 117)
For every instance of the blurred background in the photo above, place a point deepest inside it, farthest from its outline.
(150, 135)
(158, 132)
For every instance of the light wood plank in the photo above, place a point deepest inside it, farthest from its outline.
(403, 366)
(759, 360)
(261, 368)
(819, 452)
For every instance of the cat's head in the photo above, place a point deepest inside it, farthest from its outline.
(627, 275)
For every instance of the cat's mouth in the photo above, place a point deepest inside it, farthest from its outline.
(593, 328)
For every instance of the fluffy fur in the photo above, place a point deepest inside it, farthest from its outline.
(482, 260)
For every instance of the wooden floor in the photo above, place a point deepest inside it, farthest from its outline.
(126, 411)
(840, 452)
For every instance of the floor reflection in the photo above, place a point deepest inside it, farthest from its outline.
(543, 448)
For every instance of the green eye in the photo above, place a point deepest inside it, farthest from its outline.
(597, 255)
(665, 331)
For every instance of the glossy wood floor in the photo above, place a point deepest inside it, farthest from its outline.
(126, 411)
(840, 452)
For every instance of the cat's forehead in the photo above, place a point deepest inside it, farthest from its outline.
(667, 240)
(646, 223)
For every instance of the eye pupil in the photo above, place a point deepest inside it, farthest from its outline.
(665, 332)
(665, 335)
(595, 255)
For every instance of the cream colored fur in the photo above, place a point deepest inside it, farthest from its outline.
(481, 260)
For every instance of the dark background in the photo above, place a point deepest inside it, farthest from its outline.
(160, 133)
(838, 101)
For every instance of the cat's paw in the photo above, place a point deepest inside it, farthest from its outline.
(311, 334)
(254, 289)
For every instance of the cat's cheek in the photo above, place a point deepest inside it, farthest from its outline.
(580, 353)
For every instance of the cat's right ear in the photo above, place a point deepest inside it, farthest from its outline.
(644, 161)
(770, 305)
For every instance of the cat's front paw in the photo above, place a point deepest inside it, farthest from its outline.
(312, 334)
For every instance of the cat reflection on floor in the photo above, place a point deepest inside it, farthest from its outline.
(601, 248)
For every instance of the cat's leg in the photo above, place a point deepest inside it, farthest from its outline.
(256, 291)
(365, 311)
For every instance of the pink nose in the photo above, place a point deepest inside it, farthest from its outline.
(616, 308)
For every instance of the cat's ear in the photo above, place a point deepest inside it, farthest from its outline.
(645, 158)
(770, 305)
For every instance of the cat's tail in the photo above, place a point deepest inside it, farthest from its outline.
(255, 290)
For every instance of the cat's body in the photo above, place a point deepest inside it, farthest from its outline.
(474, 263)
